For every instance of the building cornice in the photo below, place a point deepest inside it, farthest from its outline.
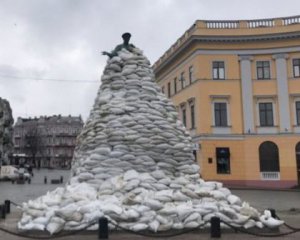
(224, 39)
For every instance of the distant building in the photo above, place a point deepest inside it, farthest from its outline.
(236, 85)
(6, 132)
(46, 141)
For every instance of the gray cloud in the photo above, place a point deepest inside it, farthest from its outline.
(62, 39)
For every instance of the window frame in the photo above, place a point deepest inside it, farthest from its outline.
(263, 69)
(220, 112)
(182, 80)
(169, 89)
(266, 111)
(225, 157)
(191, 74)
(183, 116)
(297, 117)
(218, 70)
(175, 85)
(296, 65)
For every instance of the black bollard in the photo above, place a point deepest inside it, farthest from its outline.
(273, 212)
(215, 228)
(2, 211)
(45, 180)
(61, 179)
(7, 206)
(103, 228)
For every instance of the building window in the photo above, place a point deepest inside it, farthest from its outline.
(220, 111)
(192, 108)
(263, 70)
(169, 89)
(298, 112)
(268, 157)
(182, 80)
(296, 67)
(266, 114)
(218, 70)
(191, 70)
(163, 89)
(223, 160)
(183, 111)
(175, 85)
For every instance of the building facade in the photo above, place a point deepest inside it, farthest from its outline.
(6, 132)
(236, 85)
(46, 141)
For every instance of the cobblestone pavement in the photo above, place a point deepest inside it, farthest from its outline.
(286, 204)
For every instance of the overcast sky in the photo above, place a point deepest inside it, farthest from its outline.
(50, 60)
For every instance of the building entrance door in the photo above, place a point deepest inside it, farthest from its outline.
(298, 161)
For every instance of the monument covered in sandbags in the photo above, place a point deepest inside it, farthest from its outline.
(133, 163)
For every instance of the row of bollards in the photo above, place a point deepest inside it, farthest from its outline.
(215, 226)
(215, 229)
(4, 209)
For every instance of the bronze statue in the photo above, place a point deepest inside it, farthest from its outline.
(125, 44)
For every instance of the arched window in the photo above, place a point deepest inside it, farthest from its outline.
(269, 157)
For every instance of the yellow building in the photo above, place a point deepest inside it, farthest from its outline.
(236, 85)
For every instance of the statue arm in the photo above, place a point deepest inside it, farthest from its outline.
(107, 53)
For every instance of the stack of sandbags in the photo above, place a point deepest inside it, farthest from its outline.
(134, 164)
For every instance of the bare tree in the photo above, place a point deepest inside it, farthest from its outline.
(33, 144)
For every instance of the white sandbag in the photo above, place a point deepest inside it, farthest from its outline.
(131, 214)
(247, 210)
(139, 227)
(25, 219)
(192, 224)
(131, 174)
(249, 224)
(232, 199)
(55, 225)
(153, 204)
(34, 212)
(31, 226)
(111, 208)
(154, 225)
(269, 221)
(193, 217)
(41, 220)
(179, 196)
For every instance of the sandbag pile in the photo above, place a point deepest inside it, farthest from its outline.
(133, 163)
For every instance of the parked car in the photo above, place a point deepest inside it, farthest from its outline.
(9, 173)
(14, 174)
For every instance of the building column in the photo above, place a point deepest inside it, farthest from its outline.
(283, 92)
(247, 96)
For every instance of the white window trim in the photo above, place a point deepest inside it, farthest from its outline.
(266, 129)
(212, 70)
(221, 129)
(263, 79)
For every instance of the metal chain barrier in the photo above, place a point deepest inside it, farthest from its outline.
(214, 224)
(156, 235)
(49, 237)
(258, 234)
(287, 225)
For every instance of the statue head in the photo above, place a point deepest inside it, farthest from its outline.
(126, 38)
